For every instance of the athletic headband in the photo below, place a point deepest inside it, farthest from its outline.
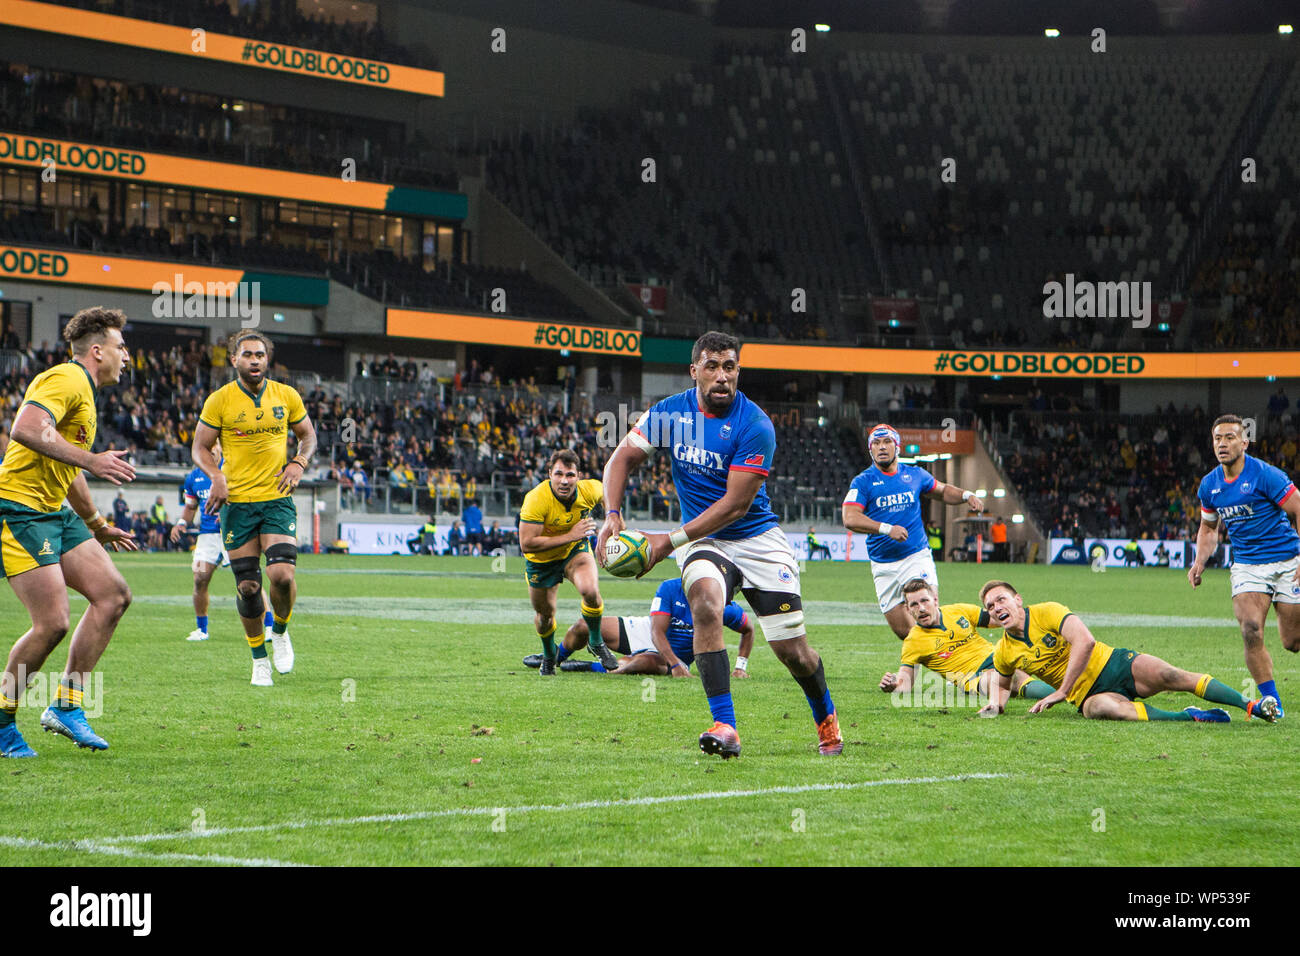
(884, 431)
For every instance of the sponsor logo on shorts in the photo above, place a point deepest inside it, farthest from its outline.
(292, 526)
(230, 537)
(785, 607)
(45, 548)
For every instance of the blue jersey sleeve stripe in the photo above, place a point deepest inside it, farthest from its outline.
(750, 468)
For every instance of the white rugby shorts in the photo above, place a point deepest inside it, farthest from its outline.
(890, 576)
(1276, 579)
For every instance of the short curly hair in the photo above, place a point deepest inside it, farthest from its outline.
(244, 335)
(88, 327)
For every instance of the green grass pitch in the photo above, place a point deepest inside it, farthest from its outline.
(410, 733)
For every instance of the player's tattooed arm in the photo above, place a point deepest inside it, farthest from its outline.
(35, 428)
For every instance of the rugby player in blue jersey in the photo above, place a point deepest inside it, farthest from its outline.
(1257, 505)
(208, 552)
(884, 501)
(721, 445)
(662, 643)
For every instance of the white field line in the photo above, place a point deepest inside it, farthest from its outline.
(111, 842)
(459, 610)
(108, 849)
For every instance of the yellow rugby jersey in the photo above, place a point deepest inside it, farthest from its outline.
(954, 650)
(556, 518)
(35, 480)
(1043, 652)
(254, 435)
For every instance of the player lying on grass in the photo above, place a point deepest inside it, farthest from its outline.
(554, 522)
(1105, 683)
(945, 640)
(662, 643)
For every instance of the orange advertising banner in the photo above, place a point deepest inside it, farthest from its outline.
(936, 441)
(22, 150)
(521, 333)
(113, 272)
(1025, 364)
(146, 34)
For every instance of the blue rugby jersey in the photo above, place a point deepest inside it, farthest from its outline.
(705, 449)
(670, 599)
(894, 498)
(1250, 507)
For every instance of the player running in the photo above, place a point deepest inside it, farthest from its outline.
(251, 417)
(1258, 506)
(1049, 641)
(44, 547)
(884, 501)
(208, 552)
(662, 643)
(944, 639)
(554, 522)
(722, 446)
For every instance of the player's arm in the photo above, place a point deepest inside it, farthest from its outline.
(630, 455)
(1207, 539)
(999, 694)
(854, 517)
(201, 450)
(110, 536)
(35, 427)
(187, 515)
(742, 486)
(1292, 507)
(1081, 644)
(745, 627)
(305, 432)
(952, 495)
(659, 636)
(899, 683)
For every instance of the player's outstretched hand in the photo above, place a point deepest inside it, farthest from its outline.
(976, 503)
(989, 710)
(888, 682)
(898, 533)
(1194, 575)
(114, 538)
(1051, 700)
(217, 495)
(660, 547)
(112, 466)
(680, 670)
(175, 533)
(612, 526)
(740, 674)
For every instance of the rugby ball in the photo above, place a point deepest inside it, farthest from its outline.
(627, 554)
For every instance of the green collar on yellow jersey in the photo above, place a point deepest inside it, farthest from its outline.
(89, 378)
(257, 399)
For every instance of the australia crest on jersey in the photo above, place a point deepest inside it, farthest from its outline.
(279, 411)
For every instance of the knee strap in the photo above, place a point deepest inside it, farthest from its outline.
(282, 554)
(248, 569)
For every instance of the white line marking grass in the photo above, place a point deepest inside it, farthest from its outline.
(108, 849)
(110, 842)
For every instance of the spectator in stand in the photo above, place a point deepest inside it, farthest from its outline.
(455, 539)
(473, 526)
(494, 538)
(121, 512)
(140, 527)
(1001, 550)
(158, 527)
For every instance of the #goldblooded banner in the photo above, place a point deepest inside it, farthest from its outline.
(18, 149)
(146, 34)
(80, 268)
(521, 333)
(1027, 364)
